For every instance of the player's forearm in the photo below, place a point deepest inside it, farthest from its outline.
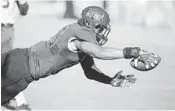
(102, 78)
(92, 72)
(100, 52)
(109, 53)
(114, 53)
(106, 53)
(98, 76)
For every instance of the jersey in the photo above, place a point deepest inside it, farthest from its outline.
(49, 57)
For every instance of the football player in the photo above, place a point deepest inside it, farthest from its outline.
(75, 43)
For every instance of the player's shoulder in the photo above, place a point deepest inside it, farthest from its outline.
(77, 28)
(83, 33)
(73, 26)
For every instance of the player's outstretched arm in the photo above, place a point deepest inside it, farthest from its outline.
(107, 53)
(93, 73)
(141, 60)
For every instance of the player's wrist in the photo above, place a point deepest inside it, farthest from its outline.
(131, 52)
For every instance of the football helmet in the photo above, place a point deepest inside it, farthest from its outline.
(97, 20)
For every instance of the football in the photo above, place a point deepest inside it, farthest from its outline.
(138, 64)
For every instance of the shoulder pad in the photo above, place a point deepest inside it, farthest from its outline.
(85, 34)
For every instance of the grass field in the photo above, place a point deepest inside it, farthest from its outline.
(71, 90)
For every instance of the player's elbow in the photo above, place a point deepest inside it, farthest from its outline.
(89, 75)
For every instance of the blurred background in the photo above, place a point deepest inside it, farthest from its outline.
(141, 12)
(143, 23)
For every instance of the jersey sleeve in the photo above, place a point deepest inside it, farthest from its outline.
(80, 34)
(71, 44)
(84, 34)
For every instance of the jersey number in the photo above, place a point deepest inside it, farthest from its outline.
(54, 40)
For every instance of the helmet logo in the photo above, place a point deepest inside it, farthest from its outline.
(92, 13)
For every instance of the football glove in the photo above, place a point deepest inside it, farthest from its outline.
(146, 61)
(122, 80)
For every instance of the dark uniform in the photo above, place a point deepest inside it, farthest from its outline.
(21, 66)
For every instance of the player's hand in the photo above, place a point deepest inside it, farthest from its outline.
(148, 58)
(123, 80)
(146, 61)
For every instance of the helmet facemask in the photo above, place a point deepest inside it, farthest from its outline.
(101, 34)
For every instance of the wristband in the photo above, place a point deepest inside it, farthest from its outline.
(131, 52)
